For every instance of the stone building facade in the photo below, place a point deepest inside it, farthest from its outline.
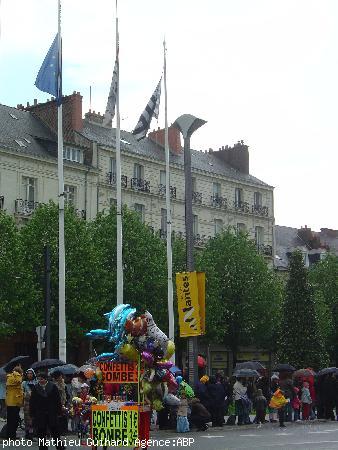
(225, 193)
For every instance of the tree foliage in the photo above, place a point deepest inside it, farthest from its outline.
(16, 287)
(300, 339)
(144, 260)
(83, 270)
(324, 279)
(243, 295)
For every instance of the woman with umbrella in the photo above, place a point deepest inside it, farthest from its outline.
(27, 386)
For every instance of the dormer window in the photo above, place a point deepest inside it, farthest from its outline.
(73, 154)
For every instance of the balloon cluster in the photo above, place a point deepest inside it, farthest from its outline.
(137, 336)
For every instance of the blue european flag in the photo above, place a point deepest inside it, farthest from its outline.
(49, 76)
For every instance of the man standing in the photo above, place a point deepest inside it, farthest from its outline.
(45, 407)
(14, 400)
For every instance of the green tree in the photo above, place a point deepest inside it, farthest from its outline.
(84, 296)
(144, 260)
(300, 339)
(324, 279)
(243, 295)
(15, 281)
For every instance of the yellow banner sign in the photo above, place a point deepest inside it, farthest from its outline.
(114, 428)
(191, 303)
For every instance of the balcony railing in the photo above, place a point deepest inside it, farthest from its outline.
(140, 185)
(2, 201)
(242, 207)
(265, 250)
(111, 179)
(162, 189)
(200, 240)
(197, 197)
(25, 207)
(260, 210)
(221, 202)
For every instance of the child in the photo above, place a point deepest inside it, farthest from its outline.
(306, 401)
(260, 404)
(295, 404)
(182, 415)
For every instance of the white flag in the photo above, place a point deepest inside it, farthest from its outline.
(111, 103)
(152, 109)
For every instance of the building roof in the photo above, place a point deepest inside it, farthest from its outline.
(42, 142)
(25, 126)
(288, 239)
(207, 162)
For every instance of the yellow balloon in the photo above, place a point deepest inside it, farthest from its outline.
(170, 350)
(129, 352)
(98, 374)
(157, 405)
(146, 387)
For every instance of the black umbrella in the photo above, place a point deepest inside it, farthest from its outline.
(67, 369)
(14, 362)
(47, 364)
(250, 373)
(284, 368)
(327, 370)
(254, 365)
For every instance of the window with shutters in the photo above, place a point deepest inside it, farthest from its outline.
(70, 194)
(218, 224)
(29, 189)
(139, 208)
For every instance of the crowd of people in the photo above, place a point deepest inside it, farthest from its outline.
(279, 398)
(60, 404)
(53, 404)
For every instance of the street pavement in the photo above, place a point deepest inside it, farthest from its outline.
(309, 435)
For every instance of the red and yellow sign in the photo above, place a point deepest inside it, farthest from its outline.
(191, 303)
(118, 372)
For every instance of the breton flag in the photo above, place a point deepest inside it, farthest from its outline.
(49, 76)
(152, 109)
(111, 103)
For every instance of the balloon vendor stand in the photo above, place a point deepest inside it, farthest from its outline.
(138, 372)
(121, 420)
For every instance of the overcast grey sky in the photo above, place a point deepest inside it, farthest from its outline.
(264, 71)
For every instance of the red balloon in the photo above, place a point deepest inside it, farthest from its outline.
(201, 362)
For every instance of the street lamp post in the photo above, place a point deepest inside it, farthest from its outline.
(187, 124)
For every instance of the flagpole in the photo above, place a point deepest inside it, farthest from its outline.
(62, 301)
(119, 268)
(168, 207)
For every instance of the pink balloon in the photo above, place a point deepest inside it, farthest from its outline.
(148, 358)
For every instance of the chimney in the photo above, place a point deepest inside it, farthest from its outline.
(71, 114)
(92, 116)
(236, 156)
(174, 138)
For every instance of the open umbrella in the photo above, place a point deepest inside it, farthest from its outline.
(248, 373)
(3, 375)
(47, 364)
(67, 369)
(284, 368)
(303, 373)
(84, 367)
(8, 367)
(254, 365)
(327, 370)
